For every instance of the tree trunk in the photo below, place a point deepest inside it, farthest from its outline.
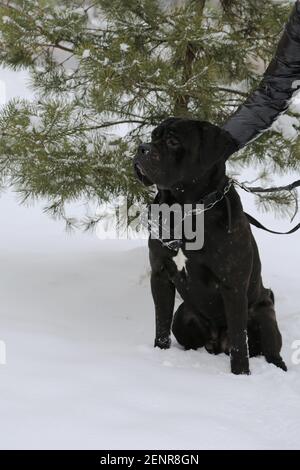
(182, 101)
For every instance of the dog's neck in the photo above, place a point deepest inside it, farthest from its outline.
(194, 191)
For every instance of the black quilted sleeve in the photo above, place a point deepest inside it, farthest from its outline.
(280, 81)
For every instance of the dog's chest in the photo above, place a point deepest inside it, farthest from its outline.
(180, 261)
(191, 269)
(195, 282)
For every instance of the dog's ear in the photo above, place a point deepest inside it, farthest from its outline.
(215, 144)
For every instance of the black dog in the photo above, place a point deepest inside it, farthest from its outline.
(225, 306)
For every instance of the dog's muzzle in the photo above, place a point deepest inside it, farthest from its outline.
(142, 154)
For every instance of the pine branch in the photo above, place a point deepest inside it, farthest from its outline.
(135, 65)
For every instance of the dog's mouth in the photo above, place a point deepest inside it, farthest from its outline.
(141, 174)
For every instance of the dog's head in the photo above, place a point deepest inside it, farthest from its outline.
(181, 151)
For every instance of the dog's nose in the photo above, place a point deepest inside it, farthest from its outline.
(144, 149)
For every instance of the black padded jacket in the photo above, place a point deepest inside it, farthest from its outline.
(280, 81)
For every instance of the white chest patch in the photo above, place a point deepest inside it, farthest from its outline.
(180, 260)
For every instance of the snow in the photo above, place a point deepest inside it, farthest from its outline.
(2, 93)
(124, 47)
(35, 123)
(77, 321)
(287, 126)
(86, 54)
(6, 19)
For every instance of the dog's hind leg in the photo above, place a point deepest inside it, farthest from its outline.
(263, 328)
(271, 293)
(189, 329)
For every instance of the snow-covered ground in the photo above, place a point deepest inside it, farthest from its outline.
(77, 319)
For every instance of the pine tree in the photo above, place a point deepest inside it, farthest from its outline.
(127, 63)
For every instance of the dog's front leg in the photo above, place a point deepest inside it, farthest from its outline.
(236, 309)
(163, 292)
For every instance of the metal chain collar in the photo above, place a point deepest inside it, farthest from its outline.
(191, 212)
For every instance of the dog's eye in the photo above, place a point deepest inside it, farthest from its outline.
(156, 134)
(172, 141)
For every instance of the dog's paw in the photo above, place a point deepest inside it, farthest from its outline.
(240, 371)
(240, 367)
(277, 361)
(162, 343)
